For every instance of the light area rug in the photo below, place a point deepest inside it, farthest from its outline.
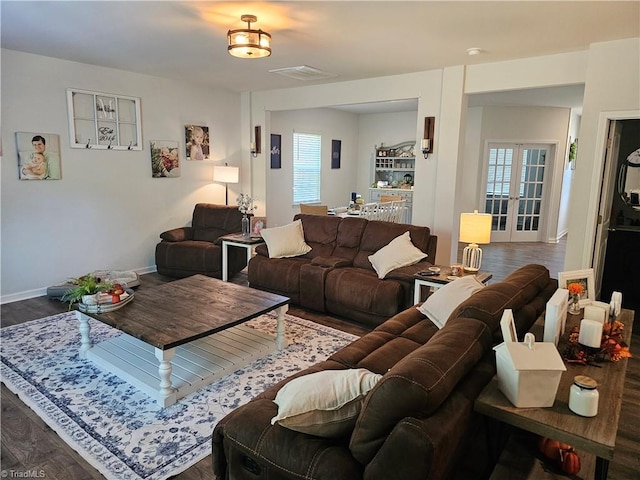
(117, 428)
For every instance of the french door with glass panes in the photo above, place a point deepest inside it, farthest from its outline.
(514, 193)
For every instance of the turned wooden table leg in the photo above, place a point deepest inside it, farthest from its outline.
(85, 329)
(166, 394)
(281, 339)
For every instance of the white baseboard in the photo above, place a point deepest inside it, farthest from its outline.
(40, 292)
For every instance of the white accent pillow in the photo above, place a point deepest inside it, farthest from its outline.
(441, 303)
(400, 252)
(326, 403)
(285, 241)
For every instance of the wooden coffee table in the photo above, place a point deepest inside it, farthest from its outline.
(183, 335)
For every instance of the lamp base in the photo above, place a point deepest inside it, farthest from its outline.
(471, 258)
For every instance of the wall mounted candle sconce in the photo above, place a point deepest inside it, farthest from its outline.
(256, 146)
(427, 137)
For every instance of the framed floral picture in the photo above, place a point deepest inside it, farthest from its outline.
(38, 156)
(197, 142)
(585, 279)
(165, 158)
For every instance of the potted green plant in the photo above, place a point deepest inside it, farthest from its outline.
(85, 289)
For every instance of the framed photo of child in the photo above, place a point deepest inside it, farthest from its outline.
(257, 224)
(38, 156)
(197, 142)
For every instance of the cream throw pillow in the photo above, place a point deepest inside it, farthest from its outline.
(441, 303)
(285, 241)
(326, 403)
(400, 252)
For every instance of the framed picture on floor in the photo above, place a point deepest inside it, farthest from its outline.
(38, 156)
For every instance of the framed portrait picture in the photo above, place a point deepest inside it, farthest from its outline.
(165, 158)
(38, 156)
(583, 277)
(335, 153)
(276, 157)
(197, 142)
(257, 224)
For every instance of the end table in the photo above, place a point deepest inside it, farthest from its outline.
(437, 281)
(237, 240)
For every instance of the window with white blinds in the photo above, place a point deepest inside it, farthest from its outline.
(306, 167)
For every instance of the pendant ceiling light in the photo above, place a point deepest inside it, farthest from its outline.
(248, 43)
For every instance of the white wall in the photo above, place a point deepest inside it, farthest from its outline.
(612, 80)
(335, 183)
(359, 135)
(535, 125)
(106, 211)
(567, 178)
(376, 129)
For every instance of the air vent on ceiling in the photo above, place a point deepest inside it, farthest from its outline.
(304, 73)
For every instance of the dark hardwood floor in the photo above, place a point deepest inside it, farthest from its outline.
(28, 444)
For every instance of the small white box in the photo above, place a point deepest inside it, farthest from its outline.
(529, 372)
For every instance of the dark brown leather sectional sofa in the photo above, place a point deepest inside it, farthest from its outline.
(336, 276)
(417, 422)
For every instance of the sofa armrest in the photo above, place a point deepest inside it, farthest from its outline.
(333, 262)
(177, 234)
(407, 274)
(419, 383)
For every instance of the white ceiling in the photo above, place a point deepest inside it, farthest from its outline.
(186, 40)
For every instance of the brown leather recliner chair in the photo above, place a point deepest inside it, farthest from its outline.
(186, 251)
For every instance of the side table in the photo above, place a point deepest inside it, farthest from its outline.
(237, 240)
(437, 281)
(595, 435)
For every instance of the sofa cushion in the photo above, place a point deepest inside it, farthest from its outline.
(285, 241)
(320, 233)
(418, 384)
(211, 221)
(378, 234)
(444, 300)
(400, 252)
(192, 255)
(325, 404)
(362, 291)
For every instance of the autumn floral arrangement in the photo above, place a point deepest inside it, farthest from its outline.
(612, 348)
(575, 290)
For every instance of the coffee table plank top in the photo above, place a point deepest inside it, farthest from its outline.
(190, 308)
(597, 434)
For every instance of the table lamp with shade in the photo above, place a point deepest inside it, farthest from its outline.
(475, 228)
(226, 174)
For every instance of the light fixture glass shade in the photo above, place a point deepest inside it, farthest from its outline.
(226, 174)
(248, 43)
(475, 228)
